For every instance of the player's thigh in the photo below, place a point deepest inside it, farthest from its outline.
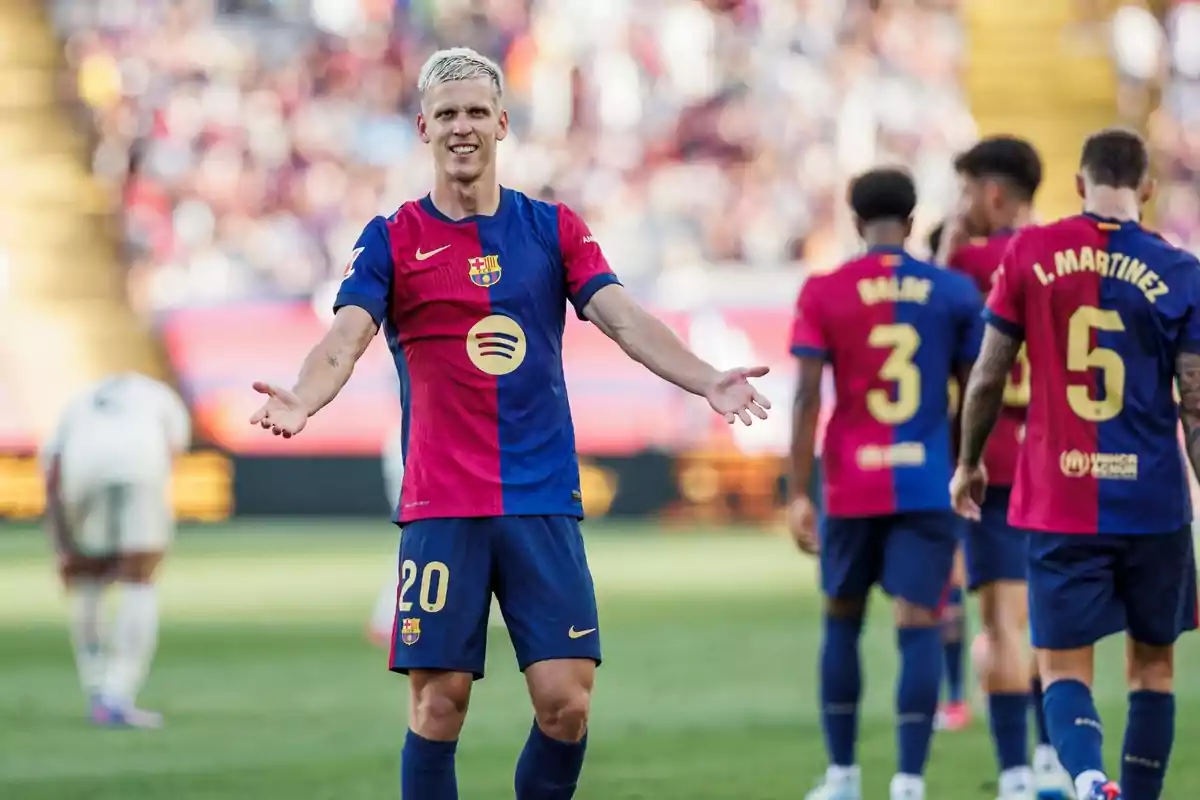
(851, 555)
(444, 596)
(145, 521)
(1156, 580)
(995, 551)
(1073, 601)
(544, 588)
(94, 518)
(918, 556)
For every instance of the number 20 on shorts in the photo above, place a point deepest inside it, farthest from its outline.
(435, 581)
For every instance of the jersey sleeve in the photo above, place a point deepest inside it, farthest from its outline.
(808, 332)
(179, 421)
(587, 269)
(367, 281)
(1006, 303)
(1189, 337)
(970, 325)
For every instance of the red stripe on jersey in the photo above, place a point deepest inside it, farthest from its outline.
(452, 468)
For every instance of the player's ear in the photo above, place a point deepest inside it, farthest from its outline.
(422, 128)
(860, 226)
(1080, 184)
(908, 227)
(1147, 190)
(502, 125)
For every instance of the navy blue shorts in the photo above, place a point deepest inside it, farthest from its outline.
(449, 570)
(995, 550)
(909, 555)
(1083, 588)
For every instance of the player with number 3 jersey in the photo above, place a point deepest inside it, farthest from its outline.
(894, 330)
(1110, 316)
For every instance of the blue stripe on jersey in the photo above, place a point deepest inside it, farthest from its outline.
(393, 343)
(539, 469)
(1157, 498)
(927, 488)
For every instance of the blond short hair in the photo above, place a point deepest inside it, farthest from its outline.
(459, 64)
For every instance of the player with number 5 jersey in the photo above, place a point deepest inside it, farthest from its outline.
(894, 330)
(1110, 315)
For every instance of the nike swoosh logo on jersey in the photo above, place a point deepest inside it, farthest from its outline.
(574, 634)
(422, 256)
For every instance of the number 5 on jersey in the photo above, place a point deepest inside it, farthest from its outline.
(435, 582)
(1082, 357)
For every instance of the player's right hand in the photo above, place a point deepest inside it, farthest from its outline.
(802, 522)
(967, 489)
(283, 413)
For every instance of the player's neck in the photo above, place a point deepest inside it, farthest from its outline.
(1112, 203)
(461, 200)
(1017, 218)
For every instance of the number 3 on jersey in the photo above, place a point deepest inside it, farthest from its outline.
(1081, 357)
(435, 582)
(899, 368)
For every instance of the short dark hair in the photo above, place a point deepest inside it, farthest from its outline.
(935, 238)
(1007, 158)
(1115, 157)
(883, 194)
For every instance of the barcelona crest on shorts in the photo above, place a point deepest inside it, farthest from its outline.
(484, 271)
(410, 630)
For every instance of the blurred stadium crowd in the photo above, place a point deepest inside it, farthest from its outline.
(250, 141)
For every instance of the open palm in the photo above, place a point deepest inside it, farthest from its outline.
(283, 413)
(734, 397)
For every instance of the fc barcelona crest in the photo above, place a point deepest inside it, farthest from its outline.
(410, 630)
(484, 271)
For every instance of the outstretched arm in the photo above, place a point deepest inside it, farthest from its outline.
(329, 364)
(985, 393)
(648, 341)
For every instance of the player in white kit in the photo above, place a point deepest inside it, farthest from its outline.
(107, 468)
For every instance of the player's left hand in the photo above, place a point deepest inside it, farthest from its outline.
(734, 397)
(967, 489)
(283, 413)
(802, 522)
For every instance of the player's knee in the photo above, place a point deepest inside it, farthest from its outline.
(1150, 668)
(138, 567)
(911, 615)
(845, 608)
(563, 715)
(438, 704)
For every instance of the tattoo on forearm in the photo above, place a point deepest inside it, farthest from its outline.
(1187, 371)
(985, 393)
(332, 360)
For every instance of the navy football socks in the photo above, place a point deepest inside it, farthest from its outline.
(1074, 725)
(1039, 712)
(917, 696)
(1008, 717)
(548, 769)
(1149, 734)
(841, 688)
(954, 633)
(427, 769)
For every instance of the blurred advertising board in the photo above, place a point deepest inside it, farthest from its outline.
(618, 406)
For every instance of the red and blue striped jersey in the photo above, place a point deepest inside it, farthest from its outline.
(893, 329)
(1104, 308)
(980, 261)
(474, 312)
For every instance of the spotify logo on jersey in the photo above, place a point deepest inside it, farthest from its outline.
(496, 345)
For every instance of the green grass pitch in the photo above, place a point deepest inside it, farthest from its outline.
(271, 691)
